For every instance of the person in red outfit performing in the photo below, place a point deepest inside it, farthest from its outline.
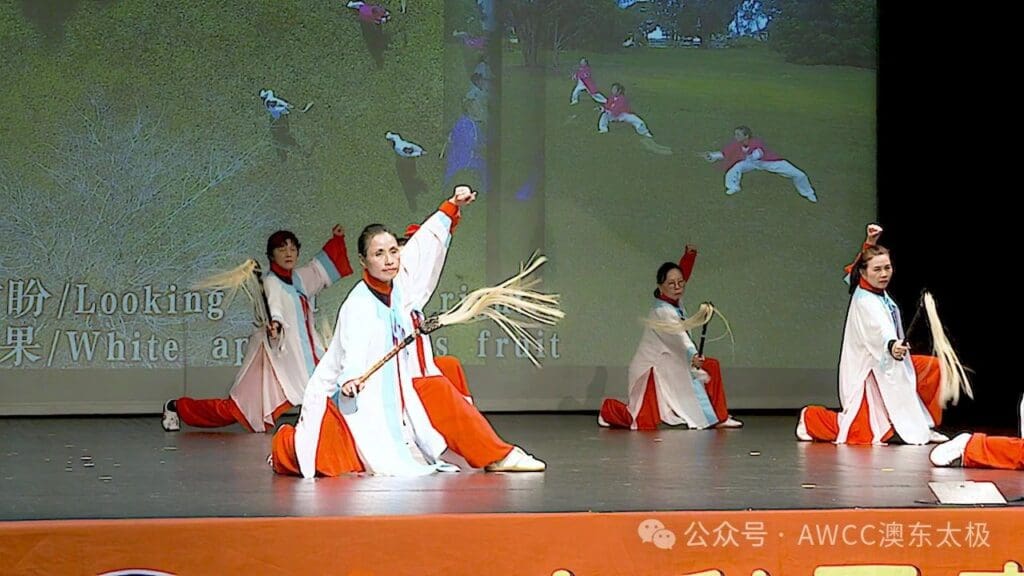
(281, 356)
(401, 418)
(668, 380)
(883, 389)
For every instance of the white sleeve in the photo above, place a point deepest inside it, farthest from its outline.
(874, 327)
(678, 342)
(276, 299)
(1022, 417)
(313, 276)
(423, 259)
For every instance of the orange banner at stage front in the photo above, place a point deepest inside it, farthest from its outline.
(914, 542)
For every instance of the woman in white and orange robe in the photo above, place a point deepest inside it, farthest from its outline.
(277, 364)
(883, 390)
(669, 382)
(404, 416)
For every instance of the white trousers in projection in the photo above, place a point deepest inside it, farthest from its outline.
(581, 88)
(780, 167)
(632, 119)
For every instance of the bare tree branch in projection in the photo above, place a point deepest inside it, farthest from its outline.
(124, 203)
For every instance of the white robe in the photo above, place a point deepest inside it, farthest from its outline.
(365, 332)
(682, 398)
(865, 364)
(277, 370)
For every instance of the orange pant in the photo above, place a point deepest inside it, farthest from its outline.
(463, 427)
(218, 412)
(823, 424)
(335, 454)
(617, 415)
(994, 452)
(452, 369)
(715, 388)
(928, 380)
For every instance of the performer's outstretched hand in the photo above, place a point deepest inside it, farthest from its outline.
(463, 195)
(338, 230)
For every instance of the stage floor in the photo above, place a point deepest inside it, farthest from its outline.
(115, 467)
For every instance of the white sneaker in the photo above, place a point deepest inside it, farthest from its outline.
(170, 422)
(602, 422)
(730, 191)
(730, 422)
(801, 429)
(443, 466)
(270, 460)
(517, 461)
(948, 453)
(937, 437)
